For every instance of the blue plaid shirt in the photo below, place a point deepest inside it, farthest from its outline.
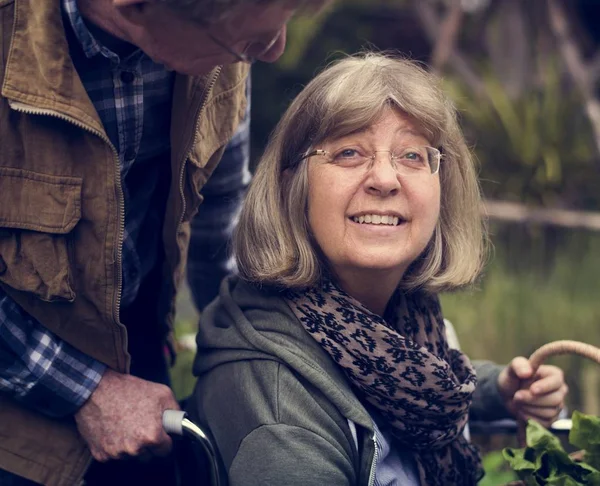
(129, 91)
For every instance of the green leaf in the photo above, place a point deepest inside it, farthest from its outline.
(493, 461)
(593, 479)
(593, 459)
(539, 438)
(585, 432)
(544, 461)
(553, 464)
(562, 480)
(517, 460)
(495, 469)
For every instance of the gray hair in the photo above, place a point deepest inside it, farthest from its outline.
(211, 11)
(273, 243)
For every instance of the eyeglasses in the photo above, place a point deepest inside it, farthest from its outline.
(253, 50)
(408, 160)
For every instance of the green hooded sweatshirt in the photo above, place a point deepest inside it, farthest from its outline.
(279, 409)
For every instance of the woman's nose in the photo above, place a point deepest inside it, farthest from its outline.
(383, 179)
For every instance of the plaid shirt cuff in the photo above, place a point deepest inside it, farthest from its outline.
(67, 379)
(39, 369)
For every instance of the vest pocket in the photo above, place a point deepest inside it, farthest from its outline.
(37, 213)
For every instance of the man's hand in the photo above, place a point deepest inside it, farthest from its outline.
(123, 418)
(540, 397)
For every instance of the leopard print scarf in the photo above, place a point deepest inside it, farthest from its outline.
(403, 367)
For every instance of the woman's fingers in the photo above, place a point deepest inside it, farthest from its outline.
(520, 368)
(544, 409)
(547, 379)
(552, 399)
(543, 415)
(544, 398)
(541, 397)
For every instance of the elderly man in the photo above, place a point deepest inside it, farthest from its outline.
(113, 116)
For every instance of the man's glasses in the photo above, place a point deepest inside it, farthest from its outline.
(253, 50)
(407, 160)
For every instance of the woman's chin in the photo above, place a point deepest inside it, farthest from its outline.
(379, 265)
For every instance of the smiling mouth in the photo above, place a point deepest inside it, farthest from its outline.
(377, 219)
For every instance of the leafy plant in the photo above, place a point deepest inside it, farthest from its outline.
(535, 146)
(545, 462)
(496, 471)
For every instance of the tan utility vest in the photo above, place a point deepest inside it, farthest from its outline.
(62, 215)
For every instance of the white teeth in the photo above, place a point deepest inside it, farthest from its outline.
(377, 219)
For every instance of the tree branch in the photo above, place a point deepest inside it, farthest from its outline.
(431, 25)
(448, 33)
(575, 66)
(594, 68)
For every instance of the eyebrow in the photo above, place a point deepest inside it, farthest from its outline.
(409, 131)
(399, 131)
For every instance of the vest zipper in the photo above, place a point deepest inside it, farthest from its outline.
(207, 91)
(374, 463)
(31, 110)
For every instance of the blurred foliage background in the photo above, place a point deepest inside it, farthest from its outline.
(526, 89)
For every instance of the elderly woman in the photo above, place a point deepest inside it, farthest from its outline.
(326, 362)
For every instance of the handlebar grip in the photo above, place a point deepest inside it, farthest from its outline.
(172, 421)
(175, 422)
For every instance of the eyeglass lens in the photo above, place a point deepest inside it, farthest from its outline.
(408, 160)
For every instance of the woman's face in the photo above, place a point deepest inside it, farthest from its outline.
(373, 216)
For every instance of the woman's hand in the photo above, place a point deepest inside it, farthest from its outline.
(539, 397)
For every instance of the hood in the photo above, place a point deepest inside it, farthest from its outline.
(247, 322)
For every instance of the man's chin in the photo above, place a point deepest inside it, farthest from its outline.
(194, 69)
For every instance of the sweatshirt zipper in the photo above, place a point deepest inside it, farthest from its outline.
(31, 110)
(207, 91)
(374, 463)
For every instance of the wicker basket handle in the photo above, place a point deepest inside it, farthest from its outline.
(554, 349)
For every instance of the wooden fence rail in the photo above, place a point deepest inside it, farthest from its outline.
(519, 213)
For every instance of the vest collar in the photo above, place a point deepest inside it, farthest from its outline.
(39, 72)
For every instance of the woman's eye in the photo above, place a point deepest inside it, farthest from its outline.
(413, 156)
(347, 154)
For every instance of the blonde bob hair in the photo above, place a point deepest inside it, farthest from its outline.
(273, 243)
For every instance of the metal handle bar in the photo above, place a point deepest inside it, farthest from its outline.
(175, 422)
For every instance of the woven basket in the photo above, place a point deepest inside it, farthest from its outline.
(536, 359)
